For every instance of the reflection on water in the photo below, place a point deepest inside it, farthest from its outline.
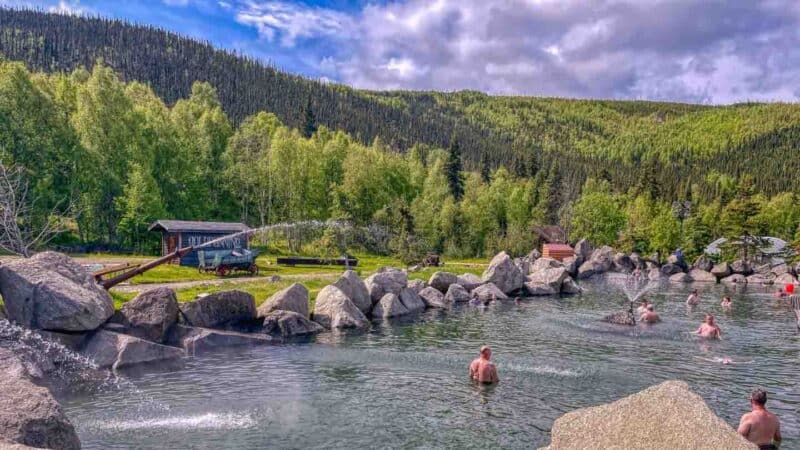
(404, 384)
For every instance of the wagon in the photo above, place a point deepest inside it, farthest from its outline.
(223, 262)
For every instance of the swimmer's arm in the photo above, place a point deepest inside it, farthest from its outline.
(495, 378)
(744, 426)
(778, 438)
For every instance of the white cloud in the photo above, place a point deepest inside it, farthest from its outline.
(71, 7)
(290, 22)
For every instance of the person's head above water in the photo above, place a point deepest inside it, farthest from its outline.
(758, 397)
(643, 302)
(650, 307)
(709, 319)
(694, 291)
(485, 352)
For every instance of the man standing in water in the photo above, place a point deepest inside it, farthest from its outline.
(760, 426)
(709, 329)
(694, 298)
(482, 370)
(649, 316)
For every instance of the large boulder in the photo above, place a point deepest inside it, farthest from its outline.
(544, 264)
(571, 265)
(488, 291)
(781, 269)
(411, 300)
(333, 309)
(763, 269)
(702, 276)
(523, 264)
(355, 289)
(736, 278)
(583, 250)
(721, 270)
(703, 263)
(469, 280)
(785, 279)
(570, 287)
(551, 277)
(456, 294)
(50, 291)
(604, 256)
(741, 267)
(418, 285)
(29, 415)
(589, 269)
(442, 280)
(288, 324)
(197, 340)
(503, 273)
(623, 263)
(680, 277)
(757, 279)
(534, 289)
(638, 261)
(665, 416)
(150, 314)
(220, 309)
(113, 350)
(670, 269)
(294, 298)
(386, 281)
(433, 298)
(390, 306)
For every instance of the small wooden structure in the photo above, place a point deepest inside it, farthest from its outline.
(557, 251)
(178, 234)
(347, 261)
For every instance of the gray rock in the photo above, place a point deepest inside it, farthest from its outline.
(571, 265)
(736, 278)
(763, 269)
(589, 269)
(583, 250)
(294, 298)
(416, 285)
(456, 294)
(570, 287)
(197, 340)
(701, 276)
(623, 263)
(673, 259)
(785, 279)
(621, 318)
(680, 277)
(220, 309)
(433, 298)
(534, 255)
(29, 415)
(781, 269)
(534, 289)
(386, 281)
(8, 445)
(551, 277)
(655, 275)
(703, 263)
(487, 292)
(741, 267)
(470, 281)
(650, 265)
(604, 257)
(288, 324)
(150, 314)
(638, 261)
(355, 289)
(759, 279)
(390, 306)
(681, 418)
(116, 351)
(50, 291)
(721, 270)
(544, 264)
(523, 264)
(411, 300)
(504, 274)
(670, 269)
(333, 309)
(442, 280)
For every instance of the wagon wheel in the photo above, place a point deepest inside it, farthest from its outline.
(253, 269)
(223, 271)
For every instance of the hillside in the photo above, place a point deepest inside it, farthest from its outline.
(521, 133)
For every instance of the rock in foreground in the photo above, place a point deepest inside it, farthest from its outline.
(294, 298)
(503, 273)
(333, 309)
(50, 291)
(116, 351)
(665, 416)
(288, 324)
(220, 309)
(151, 314)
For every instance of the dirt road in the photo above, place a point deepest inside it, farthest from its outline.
(136, 288)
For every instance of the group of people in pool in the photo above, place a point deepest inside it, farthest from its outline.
(708, 329)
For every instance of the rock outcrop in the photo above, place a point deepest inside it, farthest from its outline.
(504, 274)
(680, 277)
(355, 289)
(670, 269)
(197, 340)
(416, 285)
(113, 350)
(665, 416)
(536, 289)
(220, 309)
(470, 281)
(544, 264)
(390, 306)
(50, 291)
(569, 286)
(289, 324)
(456, 294)
(703, 263)
(294, 298)
(583, 250)
(552, 277)
(386, 281)
(623, 263)
(333, 309)
(433, 298)
(736, 278)
(29, 415)
(411, 300)
(741, 267)
(701, 276)
(442, 281)
(150, 314)
(721, 270)
(488, 291)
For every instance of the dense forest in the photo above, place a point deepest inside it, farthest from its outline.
(114, 125)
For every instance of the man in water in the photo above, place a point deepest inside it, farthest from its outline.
(649, 316)
(482, 370)
(642, 307)
(760, 426)
(794, 302)
(709, 329)
(726, 302)
(694, 298)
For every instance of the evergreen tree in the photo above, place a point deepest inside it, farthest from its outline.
(455, 178)
(309, 120)
(486, 167)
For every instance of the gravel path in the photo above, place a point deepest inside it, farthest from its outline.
(136, 288)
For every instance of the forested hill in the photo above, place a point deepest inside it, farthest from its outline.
(628, 143)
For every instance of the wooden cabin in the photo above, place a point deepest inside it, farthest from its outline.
(176, 234)
(557, 251)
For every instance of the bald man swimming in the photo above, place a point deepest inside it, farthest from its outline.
(482, 370)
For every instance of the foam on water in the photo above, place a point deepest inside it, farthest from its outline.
(207, 421)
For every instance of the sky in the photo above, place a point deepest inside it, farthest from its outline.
(699, 51)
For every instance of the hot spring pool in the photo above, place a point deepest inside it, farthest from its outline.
(404, 383)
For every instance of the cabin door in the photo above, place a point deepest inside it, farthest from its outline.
(171, 243)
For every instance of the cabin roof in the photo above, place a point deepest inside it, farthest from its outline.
(190, 225)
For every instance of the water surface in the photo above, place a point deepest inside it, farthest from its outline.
(404, 383)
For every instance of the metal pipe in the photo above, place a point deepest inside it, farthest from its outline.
(111, 282)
